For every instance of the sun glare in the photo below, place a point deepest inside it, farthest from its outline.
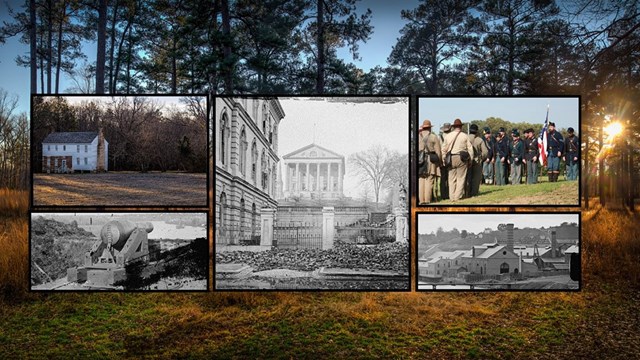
(613, 129)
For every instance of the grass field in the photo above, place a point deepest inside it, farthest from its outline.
(542, 193)
(120, 188)
(599, 322)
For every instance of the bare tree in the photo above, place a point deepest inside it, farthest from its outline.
(374, 166)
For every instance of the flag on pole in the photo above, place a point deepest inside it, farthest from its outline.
(542, 140)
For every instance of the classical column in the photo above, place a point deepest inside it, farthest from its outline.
(286, 176)
(307, 177)
(329, 182)
(340, 176)
(318, 177)
(297, 177)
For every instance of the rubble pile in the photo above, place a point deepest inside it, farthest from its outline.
(388, 256)
(41, 226)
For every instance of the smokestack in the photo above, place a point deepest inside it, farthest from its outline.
(473, 251)
(510, 237)
(100, 152)
(554, 243)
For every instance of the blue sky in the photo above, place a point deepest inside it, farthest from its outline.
(562, 111)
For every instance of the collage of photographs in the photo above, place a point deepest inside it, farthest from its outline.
(304, 193)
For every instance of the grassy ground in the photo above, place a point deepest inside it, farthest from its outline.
(543, 193)
(121, 188)
(600, 322)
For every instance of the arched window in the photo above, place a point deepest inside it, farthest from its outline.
(254, 161)
(222, 216)
(224, 141)
(504, 268)
(243, 151)
(264, 118)
(263, 168)
(254, 216)
(270, 131)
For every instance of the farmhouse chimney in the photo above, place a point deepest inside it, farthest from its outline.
(554, 244)
(510, 237)
(100, 153)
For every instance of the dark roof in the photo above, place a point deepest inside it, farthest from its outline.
(70, 137)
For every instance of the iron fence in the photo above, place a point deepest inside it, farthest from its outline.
(297, 236)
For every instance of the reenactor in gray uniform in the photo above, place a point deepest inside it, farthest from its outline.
(517, 157)
(444, 171)
(480, 152)
(502, 154)
(571, 154)
(555, 147)
(429, 147)
(531, 154)
(457, 144)
(489, 162)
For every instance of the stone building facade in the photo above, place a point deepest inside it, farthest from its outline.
(313, 172)
(246, 163)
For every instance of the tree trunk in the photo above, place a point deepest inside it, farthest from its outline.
(102, 42)
(112, 45)
(59, 62)
(174, 68)
(33, 47)
(226, 31)
(584, 177)
(320, 59)
(601, 169)
(49, 43)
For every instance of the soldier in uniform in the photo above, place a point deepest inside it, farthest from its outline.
(555, 146)
(517, 157)
(571, 153)
(502, 154)
(487, 165)
(444, 171)
(480, 152)
(461, 150)
(531, 156)
(429, 145)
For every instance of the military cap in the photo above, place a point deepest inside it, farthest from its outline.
(473, 128)
(501, 130)
(457, 122)
(446, 127)
(426, 124)
(515, 132)
(486, 130)
(570, 130)
(552, 124)
(529, 130)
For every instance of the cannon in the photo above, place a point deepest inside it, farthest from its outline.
(121, 242)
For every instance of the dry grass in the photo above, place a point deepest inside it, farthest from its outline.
(13, 202)
(601, 321)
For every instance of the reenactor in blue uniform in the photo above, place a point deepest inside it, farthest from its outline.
(555, 147)
(531, 154)
(516, 158)
(571, 154)
(502, 155)
(444, 171)
(487, 165)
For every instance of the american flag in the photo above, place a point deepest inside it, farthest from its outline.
(542, 140)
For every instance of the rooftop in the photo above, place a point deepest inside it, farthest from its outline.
(78, 137)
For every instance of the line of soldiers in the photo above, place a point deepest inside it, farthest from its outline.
(462, 162)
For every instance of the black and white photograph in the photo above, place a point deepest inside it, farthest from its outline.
(499, 251)
(124, 151)
(142, 251)
(498, 151)
(311, 193)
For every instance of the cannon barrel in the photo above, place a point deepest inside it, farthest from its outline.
(118, 231)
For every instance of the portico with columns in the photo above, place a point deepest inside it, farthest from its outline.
(313, 172)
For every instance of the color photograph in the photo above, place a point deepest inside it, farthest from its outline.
(498, 151)
(119, 151)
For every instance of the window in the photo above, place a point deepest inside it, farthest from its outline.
(263, 167)
(223, 138)
(264, 118)
(77, 161)
(253, 219)
(504, 268)
(86, 161)
(243, 151)
(86, 148)
(56, 147)
(223, 206)
(78, 148)
(48, 147)
(242, 227)
(254, 162)
(64, 147)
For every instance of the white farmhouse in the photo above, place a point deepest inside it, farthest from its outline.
(65, 152)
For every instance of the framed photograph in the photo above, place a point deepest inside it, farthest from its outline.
(119, 151)
(311, 193)
(498, 151)
(498, 251)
